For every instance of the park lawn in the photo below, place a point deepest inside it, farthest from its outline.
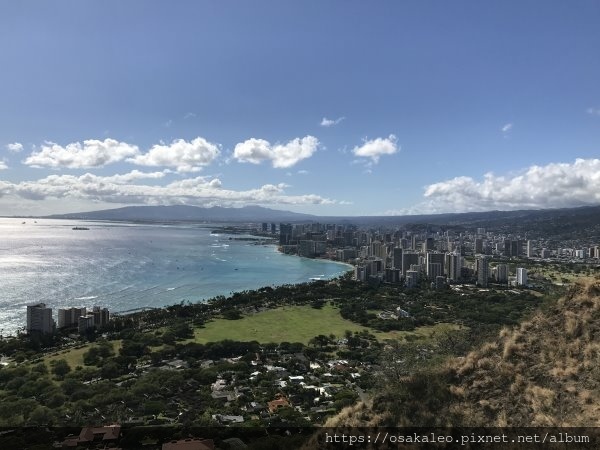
(285, 324)
(74, 356)
(296, 324)
(422, 333)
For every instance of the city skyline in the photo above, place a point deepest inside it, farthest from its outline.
(327, 109)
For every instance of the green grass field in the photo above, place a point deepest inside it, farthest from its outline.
(74, 356)
(296, 324)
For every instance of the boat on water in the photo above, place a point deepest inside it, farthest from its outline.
(80, 228)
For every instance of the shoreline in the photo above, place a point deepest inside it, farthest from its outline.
(273, 272)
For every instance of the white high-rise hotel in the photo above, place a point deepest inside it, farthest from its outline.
(521, 276)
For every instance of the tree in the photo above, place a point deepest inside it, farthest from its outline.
(154, 407)
(41, 415)
(40, 369)
(60, 368)
(110, 370)
(91, 357)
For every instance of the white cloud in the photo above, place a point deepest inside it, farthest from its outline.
(189, 115)
(593, 111)
(92, 153)
(15, 147)
(3, 165)
(506, 128)
(377, 147)
(554, 185)
(256, 151)
(201, 191)
(330, 122)
(182, 155)
(127, 177)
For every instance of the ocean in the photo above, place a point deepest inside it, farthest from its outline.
(125, 266)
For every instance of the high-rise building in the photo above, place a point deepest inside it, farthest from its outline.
(413, 242)
(101, 316)
(502, 273)
(39, 319)
(86, 322)
(412, 279)
(483, 270)
(433, 258)
(434, 270)
(408, 259)
(393, 275)
(428, 244)
(397, 258)
(70, 316)
(478, 246)
(515, 247)
(453, 266)
(521, 276)
(285, 233)
(306, 248)
(377, 249)
(529, 249)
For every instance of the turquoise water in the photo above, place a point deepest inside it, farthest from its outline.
(126, 266)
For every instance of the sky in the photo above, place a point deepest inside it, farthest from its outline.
(321, 107)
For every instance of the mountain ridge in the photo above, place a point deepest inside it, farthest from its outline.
(583, 220)
(187, 213)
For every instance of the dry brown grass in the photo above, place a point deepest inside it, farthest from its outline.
(545, 372)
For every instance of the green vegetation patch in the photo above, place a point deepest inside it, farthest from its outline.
(285, 324)
(299, 324)
(74, 356)
(425, 332)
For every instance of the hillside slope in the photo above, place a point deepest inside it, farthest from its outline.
(545, 372)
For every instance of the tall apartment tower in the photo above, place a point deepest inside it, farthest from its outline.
(39, 319)
(70, 316)
(397, 258)
(478, 246)
(414, 242)
(515, 247)
(453, 266)
(101, 316)
(285, 233)
(483, 271)
(435, 264)
(428, 244)
(409, 259)
(521, 276)
(502, 273)
(529, 249)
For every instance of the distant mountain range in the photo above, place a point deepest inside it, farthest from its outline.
(565, 222)
(189, 213)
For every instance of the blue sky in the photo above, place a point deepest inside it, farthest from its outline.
(333, 108)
